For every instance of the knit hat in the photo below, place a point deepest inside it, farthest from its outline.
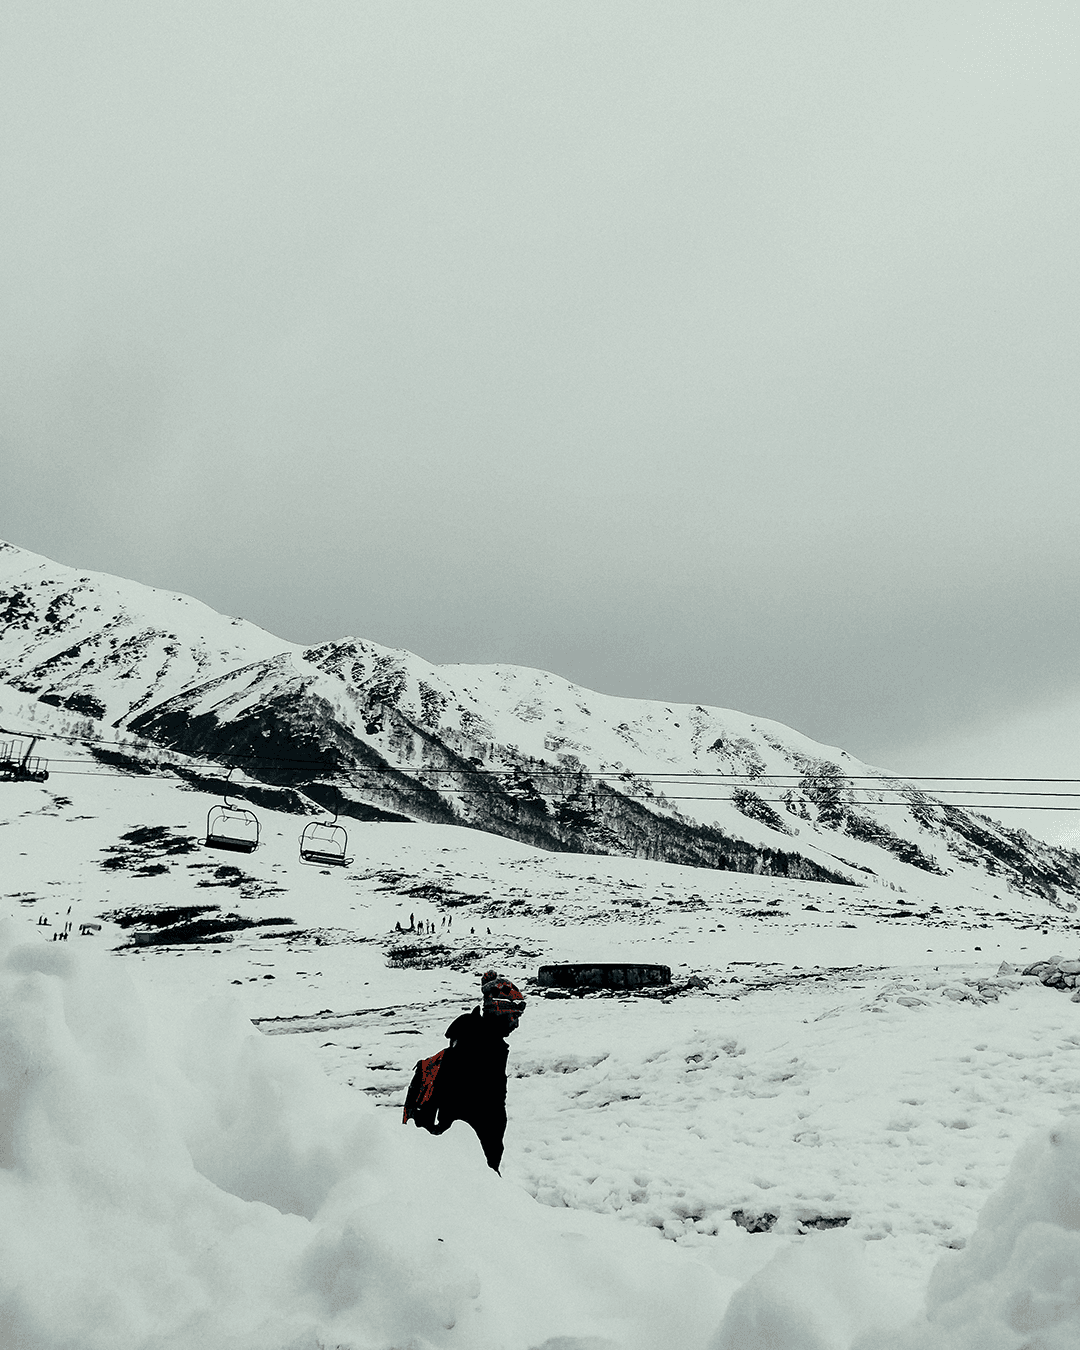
(501, 998)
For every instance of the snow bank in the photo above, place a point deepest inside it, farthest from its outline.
(1016, 1286)
(171, 1178)
(816, 1294)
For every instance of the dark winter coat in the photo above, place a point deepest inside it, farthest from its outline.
(472, 1080)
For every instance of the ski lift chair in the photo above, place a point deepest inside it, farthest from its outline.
(20, 766)
(325, 843)
(230, 827)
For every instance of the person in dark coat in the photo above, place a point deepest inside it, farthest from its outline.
(472, 1079)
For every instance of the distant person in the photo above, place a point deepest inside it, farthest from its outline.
(471, 1083)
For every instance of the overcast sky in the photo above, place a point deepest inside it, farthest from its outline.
(722, 352)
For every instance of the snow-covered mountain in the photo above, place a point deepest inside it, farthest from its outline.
(380, 733)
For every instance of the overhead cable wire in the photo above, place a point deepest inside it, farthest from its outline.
(672, 777)
(339, 780)
(625, 781)
(665, 774)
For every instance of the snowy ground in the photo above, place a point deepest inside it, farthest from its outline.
(853, 1080)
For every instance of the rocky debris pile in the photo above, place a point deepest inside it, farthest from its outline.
(916, 991)
(1058, 972)
(765, 1223)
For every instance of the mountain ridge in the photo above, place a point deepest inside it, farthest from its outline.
(515, 751)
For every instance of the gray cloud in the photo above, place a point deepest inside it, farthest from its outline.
(720, 352)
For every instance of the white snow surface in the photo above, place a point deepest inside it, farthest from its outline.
(200, 1143)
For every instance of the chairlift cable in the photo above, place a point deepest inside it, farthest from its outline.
(355, 777)
(609, 775)
(550, 771)
(345, 780)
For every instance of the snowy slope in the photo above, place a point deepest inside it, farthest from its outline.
(522, 753)
(102, 647)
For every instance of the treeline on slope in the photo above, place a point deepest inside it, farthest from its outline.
(1003, 851)
(1028, 864)
(561, 811)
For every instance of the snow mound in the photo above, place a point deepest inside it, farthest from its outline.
(171, 1178)
(1016, 1286)
(1017, 1283)
(813, 1295)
